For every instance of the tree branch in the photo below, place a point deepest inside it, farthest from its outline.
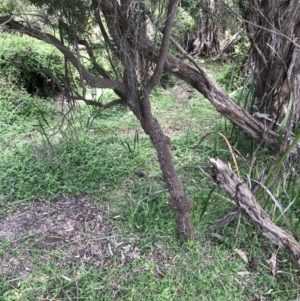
(90, 52)
(99, 104)
(237, 190)
(154, 80)
(48, 38)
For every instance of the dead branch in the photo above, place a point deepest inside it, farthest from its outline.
(223, 177)
(226, 220)
(228, 44)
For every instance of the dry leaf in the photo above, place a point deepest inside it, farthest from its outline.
(242, 254)
(260, 298)
(243, 273)
(272, 261)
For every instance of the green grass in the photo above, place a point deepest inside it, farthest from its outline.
(93, 159)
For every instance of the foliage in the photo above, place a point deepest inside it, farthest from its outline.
(184, 25)
(167, 80)
(22, 57)
(51, 171)
(17, 106)
(97, 164)
(73, 17)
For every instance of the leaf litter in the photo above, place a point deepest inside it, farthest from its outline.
(69, 229)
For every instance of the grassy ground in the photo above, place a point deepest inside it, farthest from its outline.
(73, 226)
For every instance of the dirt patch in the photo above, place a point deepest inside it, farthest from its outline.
(182, 91)
(68, 229)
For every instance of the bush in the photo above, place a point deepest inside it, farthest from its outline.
(18, 105)
(19, 55)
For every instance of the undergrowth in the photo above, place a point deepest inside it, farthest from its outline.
(23, 59)
(97, 155)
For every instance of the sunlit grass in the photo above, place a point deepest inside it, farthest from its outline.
(93, 158)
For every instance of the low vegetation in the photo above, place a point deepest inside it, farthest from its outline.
(78, 224)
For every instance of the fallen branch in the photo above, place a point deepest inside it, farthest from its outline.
(227, 219)
(228, 44)
(223, 177)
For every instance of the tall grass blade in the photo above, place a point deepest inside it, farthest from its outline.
(284, 122)
(275, 170)
(232, 154)
(207, 202)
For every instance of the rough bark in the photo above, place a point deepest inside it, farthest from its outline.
(138, 99)
(131, 47)
(274, 30)
(223, 177)
(126, 30)
(207, 43)
(180, 203)
(198, 79)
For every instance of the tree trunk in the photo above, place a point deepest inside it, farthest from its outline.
(180, 203)
(194, 76)
(130, 46)
(274, 30)
(139, 87)
(198, 79)
(227, 46)
(207, 44)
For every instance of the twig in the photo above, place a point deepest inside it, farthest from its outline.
(226, 220)
(16, 279)
(151, 195)
(66, 294)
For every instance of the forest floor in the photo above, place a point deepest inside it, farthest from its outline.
(76, 223)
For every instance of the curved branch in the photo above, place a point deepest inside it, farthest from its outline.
(199, 80)
(97, 103)
(90, 52)
(154, 80)
(50, 39)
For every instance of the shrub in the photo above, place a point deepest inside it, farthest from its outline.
(20, 56)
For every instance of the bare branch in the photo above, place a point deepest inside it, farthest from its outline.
(101, 105)
(90, 52)
(48, 38)
(237, 190)
(153, 81)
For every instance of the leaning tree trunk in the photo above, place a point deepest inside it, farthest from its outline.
(207, 43)
(180, 203)
(274, 32)
(139, 86)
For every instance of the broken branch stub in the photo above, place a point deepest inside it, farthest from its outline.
(223, 177)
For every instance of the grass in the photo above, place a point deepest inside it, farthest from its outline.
(143, 259)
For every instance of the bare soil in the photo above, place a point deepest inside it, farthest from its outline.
(69, 229)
